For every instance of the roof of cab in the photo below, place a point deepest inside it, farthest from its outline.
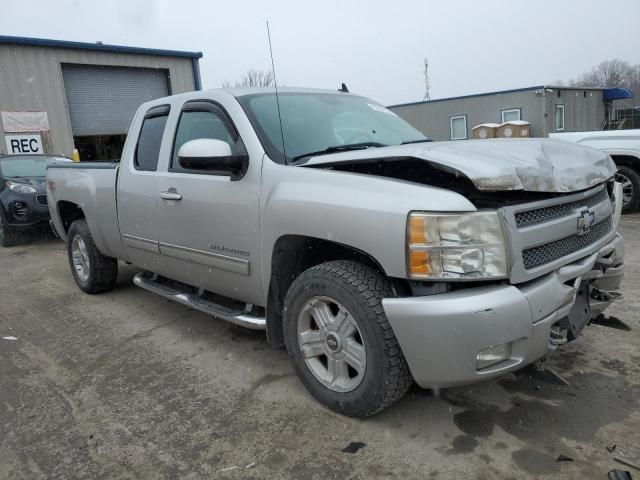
(244, 91)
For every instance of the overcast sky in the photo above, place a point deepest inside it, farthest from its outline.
(377, 47)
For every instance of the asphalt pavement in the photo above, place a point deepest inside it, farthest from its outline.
(127, 384)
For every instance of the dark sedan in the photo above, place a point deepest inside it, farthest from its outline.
(23, 195)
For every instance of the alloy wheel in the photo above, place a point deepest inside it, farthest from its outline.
(627, 188)
(331, 344)
(80, 257)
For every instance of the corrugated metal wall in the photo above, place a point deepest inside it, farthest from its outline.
(31, 80)
(584, 110)
(102, 100)
(432, 118)
(582, 113)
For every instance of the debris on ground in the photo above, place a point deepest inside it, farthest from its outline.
(353, 447)
(564, 458)
(9, 338)
(230, 468)
(626, 462)
(627, 456)
(619, 475)
(611, 448)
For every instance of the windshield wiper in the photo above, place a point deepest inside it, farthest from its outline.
(422, 140)
(340, 148)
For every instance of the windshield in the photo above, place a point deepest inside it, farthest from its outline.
(312, 122)
(24, 166)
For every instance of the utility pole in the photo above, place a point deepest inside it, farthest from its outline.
(427, 84)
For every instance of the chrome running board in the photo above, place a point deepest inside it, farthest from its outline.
(148, 282)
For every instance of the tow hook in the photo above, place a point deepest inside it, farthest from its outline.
(557, 336)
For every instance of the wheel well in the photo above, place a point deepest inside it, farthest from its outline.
(627, 161)
(69, 212)
(292, 255)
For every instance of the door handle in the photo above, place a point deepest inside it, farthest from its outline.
(171, 195)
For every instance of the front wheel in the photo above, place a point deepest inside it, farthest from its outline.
(630, 181)
(92, 271)
(340, 341)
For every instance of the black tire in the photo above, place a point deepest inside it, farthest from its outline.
(634, 178)
(360, 290)
(8, 236)
(102, 270)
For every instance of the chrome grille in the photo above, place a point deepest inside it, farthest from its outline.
(540, 215)
(542, 254)
(41, 200)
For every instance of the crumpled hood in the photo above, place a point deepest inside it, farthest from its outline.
(530, 164)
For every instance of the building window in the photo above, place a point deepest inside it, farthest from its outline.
(458, 127)
(511, 115)
(559, 115)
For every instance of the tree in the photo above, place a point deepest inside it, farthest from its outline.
(634, 81)
(611, 73)
(253, 78)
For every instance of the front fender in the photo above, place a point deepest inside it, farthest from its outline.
(364, 212)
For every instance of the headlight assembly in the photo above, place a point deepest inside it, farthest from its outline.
(463, 246)
(20, 187)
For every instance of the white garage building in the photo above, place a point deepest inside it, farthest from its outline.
(57, 95)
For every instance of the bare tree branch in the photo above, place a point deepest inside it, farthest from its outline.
(610, 73)
(253, 78)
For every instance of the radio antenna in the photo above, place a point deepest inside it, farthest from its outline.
(275, 82)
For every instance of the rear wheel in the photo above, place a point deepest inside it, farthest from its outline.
(340, 340)
(8, 237)
(92, 271)
(630, 181)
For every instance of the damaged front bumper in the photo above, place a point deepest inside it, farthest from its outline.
(451, 338)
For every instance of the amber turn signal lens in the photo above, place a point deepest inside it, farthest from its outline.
(419, 263)
(416, 230)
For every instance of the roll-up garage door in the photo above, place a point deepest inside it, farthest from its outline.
(102, 100)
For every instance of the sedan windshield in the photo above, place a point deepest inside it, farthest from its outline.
(316, 123)
(24, 166)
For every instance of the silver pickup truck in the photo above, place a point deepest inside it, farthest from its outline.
(377, 257)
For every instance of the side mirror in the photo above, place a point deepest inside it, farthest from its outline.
(210, 155)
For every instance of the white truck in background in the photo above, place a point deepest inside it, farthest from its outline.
(624, 148)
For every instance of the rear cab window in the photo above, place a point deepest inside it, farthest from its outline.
(150, 139)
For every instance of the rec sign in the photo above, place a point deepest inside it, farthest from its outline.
(23, 144)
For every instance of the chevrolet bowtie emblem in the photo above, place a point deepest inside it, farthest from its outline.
(585, 221)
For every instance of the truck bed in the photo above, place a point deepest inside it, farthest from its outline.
(90, 187)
